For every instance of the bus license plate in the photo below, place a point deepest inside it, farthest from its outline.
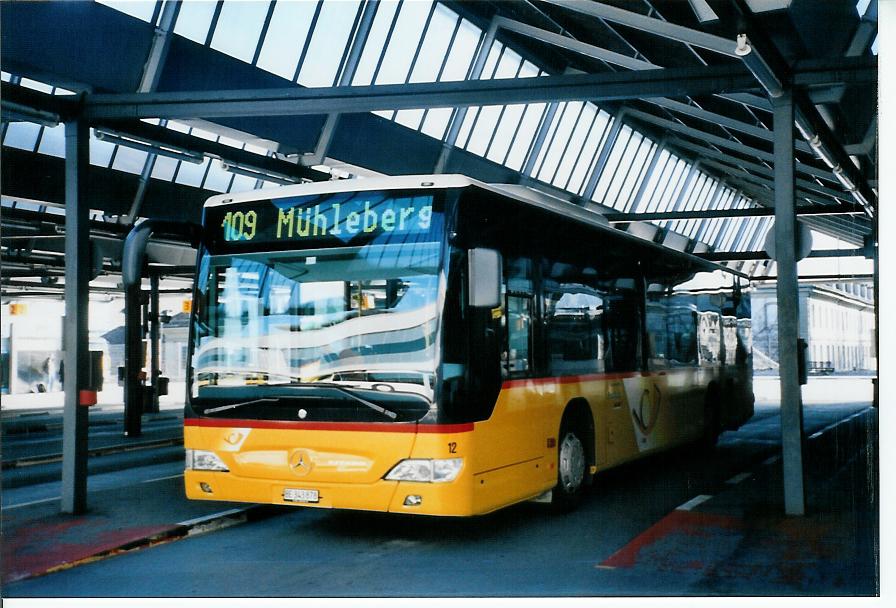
(295, 495)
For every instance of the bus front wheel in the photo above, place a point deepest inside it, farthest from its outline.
(572, 469)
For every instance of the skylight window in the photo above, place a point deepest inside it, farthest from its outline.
(285, 38)
(195, 19)
(140, 9)
(239, 27)
(329, 42)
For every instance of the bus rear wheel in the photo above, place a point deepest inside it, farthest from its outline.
(572, 469)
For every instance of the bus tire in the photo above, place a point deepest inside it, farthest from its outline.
(573, 463)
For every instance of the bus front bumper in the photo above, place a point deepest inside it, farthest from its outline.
(448, 499)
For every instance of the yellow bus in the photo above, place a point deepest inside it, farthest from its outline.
(436, 345)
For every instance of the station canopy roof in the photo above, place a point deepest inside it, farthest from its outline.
(633, 108)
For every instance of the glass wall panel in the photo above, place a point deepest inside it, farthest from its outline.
(285, 38)
(239, 27)
(328, 43)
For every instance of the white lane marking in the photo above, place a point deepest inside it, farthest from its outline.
(693, 502)
(205, 518)
(771, 460)
(739, 478)
(162, 478)
(33, 502)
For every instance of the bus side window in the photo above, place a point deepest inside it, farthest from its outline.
(517, 356)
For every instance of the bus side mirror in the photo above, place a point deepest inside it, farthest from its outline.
(485, 278)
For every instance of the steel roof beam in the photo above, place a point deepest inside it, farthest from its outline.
(650, 25)
(804, 168)
(802, 184)
(658, 216)
(295, 101)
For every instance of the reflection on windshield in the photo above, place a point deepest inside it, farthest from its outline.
(363, 316)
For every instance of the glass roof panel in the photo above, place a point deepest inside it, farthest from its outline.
(404, 41)
(609, 170)
(593, 144)
(239, 27)
(36, 85)
(435, 45)
(462, 50)
(507, 128)
(509, 65)
(191, 174)
(467, 126)
(484, 129)
(285, 38)
(22, 135)
(436, 122)
(519, 149)
(636, 176)
(141, 9)
(164, 168)
(409, 118)
(129, 160)
(549, 134)
(491, 62)
(616, 196)
(52, 141)
(100, 151)
(376, 41)
(242, 183)
(328, 43)
(582, 129)
(194, 19)
(217, 179)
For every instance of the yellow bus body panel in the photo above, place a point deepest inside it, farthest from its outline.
(508, 458)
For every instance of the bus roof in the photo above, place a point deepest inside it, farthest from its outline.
(529, 196)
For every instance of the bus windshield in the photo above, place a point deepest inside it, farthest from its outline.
(358, 318)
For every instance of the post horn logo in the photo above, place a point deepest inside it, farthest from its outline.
(648, 410)
(301, 463)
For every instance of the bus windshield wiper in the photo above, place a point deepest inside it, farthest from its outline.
(232, 406)
(346, 391)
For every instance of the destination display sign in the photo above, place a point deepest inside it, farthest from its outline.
(330, 220)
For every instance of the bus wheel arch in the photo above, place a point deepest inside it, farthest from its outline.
(575, 455)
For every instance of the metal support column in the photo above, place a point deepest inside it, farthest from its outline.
(788, 308)
(76, 344)
(133, 360)
(154, 336)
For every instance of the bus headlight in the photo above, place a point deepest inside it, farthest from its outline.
(200, 460)
(426, 470)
